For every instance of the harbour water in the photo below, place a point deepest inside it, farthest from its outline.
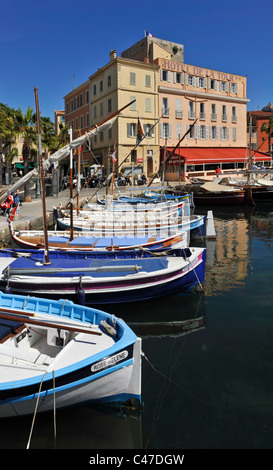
(208, 358)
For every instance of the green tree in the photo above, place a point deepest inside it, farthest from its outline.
(7, 139)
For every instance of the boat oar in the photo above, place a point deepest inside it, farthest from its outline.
(46, 270)
(23, 317)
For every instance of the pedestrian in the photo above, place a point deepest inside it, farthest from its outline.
(218, 171)
(16, 198)
(16, 201)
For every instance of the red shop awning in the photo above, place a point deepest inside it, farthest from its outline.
(197, 156)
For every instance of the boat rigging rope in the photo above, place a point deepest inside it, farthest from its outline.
(36, 407)
(173, 382)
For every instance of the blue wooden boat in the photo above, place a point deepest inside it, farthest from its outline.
(60, 354)
(102, 278)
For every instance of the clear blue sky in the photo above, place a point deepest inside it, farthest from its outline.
(45, 44)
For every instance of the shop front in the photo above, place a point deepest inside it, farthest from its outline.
(202, 162)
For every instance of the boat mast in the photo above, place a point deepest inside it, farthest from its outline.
(71, 187)
(42, 177)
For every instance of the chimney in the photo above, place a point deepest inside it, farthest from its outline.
(113, 54)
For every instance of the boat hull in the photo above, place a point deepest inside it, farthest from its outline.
(114, 386)
(105, 368)
(153, 277)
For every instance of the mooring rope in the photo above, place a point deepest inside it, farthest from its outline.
(35, 411)
(173, 382)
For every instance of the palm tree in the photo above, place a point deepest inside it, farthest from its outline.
(7, 138)
(25, 126)
(49, 139)
(268, 129)
(63, 136)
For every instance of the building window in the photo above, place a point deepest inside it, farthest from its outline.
(234, 117)
(131, 129)
(94, 90)
(94, 112)
(148, 103)
(223, 86)
(224, 113)
(203, 132)
(133, 105)
(149, 132)
(165, 130)
(148, 80)
(178, 78)
(193, 132)
(191, 80)
(81, 122)
(76, 123)
(213, 112)
(165, 75)
(202, 111)
(191, 110)
(213, 84)
(165, 110)
(234, 134)
(201, 82)
(132, 78)
(110, 133)
(178, 131)
(81, 101)
(214, 132)
(133, 156)
(76, 103)
(101, 85)
(67, 108)
(72, 105)
(87, 97)
(109, 80)
(224, 133)
(233, 87)
(101, 109)
(87, 119)
(101, 136)
(109, 105)
(178, 110)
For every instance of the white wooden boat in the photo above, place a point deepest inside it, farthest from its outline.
(59, 354)
(102, 278)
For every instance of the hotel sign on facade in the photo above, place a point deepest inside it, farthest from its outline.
(198, 71)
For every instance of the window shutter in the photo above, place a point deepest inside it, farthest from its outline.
(226, 86)
(227, 133)
(221, 133)
(169, 130)
(205, 83)
(169, 76)
(210, 132)
(161, 130)
(128, 130)
(217, 132)
(174, 78)
(179, 131)
(193, 81)
(236, 88)
(195, 131)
